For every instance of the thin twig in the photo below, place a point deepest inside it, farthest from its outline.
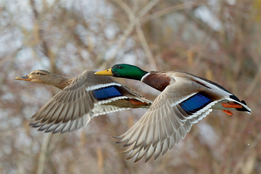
(247, 152)
(145, 46)
(254, 83)
(147, 8)
(166, 11)
(132, 22)
(43, 153)
(10, 132)
(127, 10)
(125, 35)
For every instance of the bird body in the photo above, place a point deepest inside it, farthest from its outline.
(184, 100)
(184, 84)
(81, 99)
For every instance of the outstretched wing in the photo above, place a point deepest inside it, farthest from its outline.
(87, 96)
(168, 120)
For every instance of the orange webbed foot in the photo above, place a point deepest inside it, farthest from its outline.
(231, 105)
(228, 112)
(137, 102)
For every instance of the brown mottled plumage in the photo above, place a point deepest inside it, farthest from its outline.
(80, 99)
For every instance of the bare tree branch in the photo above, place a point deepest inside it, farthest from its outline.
(43, 153)
(145, 46)
(246, 153)
(132, 22)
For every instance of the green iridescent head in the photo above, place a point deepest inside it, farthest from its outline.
(124, 71)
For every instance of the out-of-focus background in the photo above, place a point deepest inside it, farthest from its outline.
(216, 39)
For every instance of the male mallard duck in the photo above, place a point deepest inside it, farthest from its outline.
(185, 99)
(80, 99)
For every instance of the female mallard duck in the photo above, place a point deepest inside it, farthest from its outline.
(185, 99)
(80, 99)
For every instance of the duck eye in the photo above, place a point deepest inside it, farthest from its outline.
(120, 67)
(39, 73)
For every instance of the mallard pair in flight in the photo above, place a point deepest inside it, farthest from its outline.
(184, 100)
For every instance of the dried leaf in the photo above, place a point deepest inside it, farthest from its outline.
(190, 55)
(90, 43)
(36, 37)
(130, 121)
(83, 139)
(209, 74)
(248, 166)
(26, 126)
(99, 158)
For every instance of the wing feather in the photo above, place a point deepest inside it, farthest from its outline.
(149, 153)
(166, 122)
(67, 110)
(141, 153)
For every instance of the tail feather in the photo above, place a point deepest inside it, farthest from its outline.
(234, 98)
(245, 108)
(242, 101)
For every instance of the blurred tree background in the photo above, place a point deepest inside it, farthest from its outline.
(216, 39)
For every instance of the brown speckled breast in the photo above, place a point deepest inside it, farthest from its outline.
(156, 80)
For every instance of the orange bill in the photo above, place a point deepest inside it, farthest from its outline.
(25, 78)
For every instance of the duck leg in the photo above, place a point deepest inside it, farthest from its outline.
(231, 105)
(228, 112)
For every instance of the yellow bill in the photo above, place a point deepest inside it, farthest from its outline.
(105, 72)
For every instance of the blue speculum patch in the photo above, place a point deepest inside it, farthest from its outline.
(105, 93)
(195, 103)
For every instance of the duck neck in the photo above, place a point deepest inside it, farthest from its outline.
(57, 81)
(63, 83)
(138, 74)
